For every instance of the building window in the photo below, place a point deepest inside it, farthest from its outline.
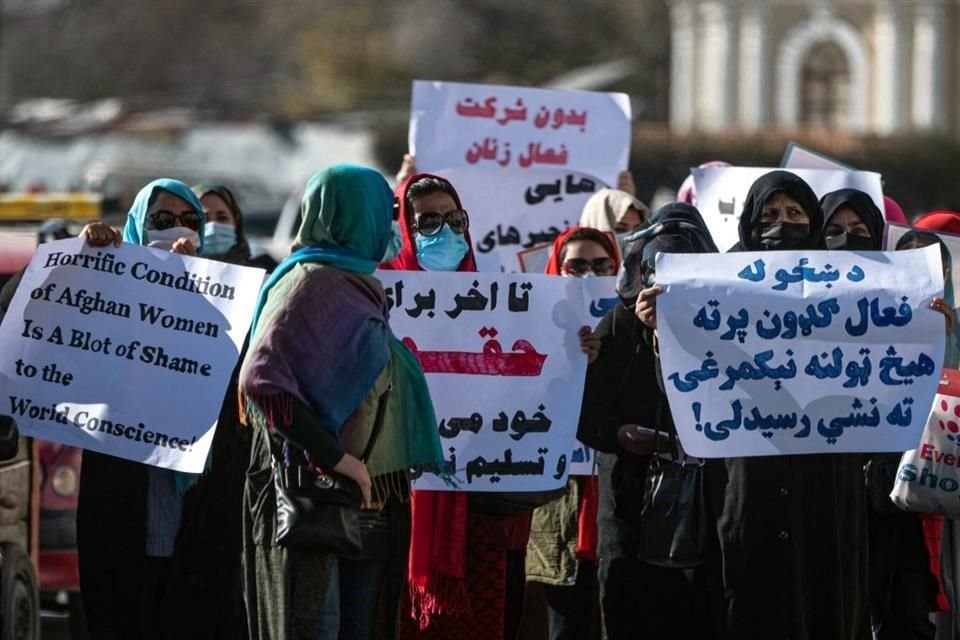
(825, 88)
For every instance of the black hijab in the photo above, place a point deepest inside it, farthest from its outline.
(674, 228)
(762, 190)
(862, 204)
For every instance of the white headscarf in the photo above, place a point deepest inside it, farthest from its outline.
(607, 207)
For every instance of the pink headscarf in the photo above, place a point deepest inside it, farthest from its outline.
(892, 211)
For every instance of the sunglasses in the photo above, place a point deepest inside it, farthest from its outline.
(429, 223)
(580, 266)
(162, 220)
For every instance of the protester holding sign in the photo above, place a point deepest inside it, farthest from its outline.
(128, 513)
(806, 515)
(562, 551)
(900, 579)
(623, 405)
(489, 548)
(313, 387)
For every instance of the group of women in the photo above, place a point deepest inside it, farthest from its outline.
(794, 552)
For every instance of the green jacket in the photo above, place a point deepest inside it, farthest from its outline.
(552, 548)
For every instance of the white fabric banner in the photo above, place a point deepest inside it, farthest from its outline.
(722, 191)
(126, 351)
(512, 212)
(800, 352)
(517, 128)
(505, 370)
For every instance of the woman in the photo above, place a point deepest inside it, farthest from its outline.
(321, 360)
(223, 234)
(792, 529)
(128, 513)
(623, 399)
(562, 551)
(466, 567)
(901, 585)
(615, 211)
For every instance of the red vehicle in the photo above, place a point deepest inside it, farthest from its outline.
(59, 480)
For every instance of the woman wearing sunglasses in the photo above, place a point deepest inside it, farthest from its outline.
(129, 513)
(466, 567)
(562, 551)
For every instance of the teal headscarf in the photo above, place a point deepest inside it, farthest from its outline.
(136, 231)
(354, 242)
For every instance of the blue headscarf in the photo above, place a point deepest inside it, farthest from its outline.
(135, 230)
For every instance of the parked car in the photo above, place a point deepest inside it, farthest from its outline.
(19, 511)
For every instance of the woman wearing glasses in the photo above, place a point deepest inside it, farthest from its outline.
(129, 513)
(562, 551)
(466, 567)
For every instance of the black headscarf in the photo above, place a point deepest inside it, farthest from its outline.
(762, 190)
(674, 228)
(862, 204)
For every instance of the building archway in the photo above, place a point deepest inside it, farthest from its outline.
(823, 48)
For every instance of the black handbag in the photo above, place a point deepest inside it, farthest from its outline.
(322, 511)
(880, 474)
(673, 521)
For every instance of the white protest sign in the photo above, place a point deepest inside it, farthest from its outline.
(799, 157)
(722, 191)
(600, 296)
(510, 212)
(503, 362)
(126, 351)
(516, 128)
(800, 352)
(900, 237)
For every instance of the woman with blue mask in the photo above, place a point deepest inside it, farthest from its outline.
(223, 235)
(434, 225)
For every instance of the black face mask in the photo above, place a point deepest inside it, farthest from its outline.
(850, 242)
(783, 236)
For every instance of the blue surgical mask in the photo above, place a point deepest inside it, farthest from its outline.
(395, 243)
(442, 252)
(218, 238)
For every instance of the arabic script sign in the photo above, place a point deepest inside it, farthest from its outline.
(800, 352)
(513, 212)
(506, 374)
(512, 128)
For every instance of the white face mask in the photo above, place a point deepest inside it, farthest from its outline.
(589, 274)
(164, 239)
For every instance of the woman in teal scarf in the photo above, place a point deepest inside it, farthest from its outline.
(321, 356)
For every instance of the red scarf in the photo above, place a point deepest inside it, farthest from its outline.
(438, 533)
(406, 260)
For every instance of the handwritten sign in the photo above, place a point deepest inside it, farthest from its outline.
(722, 191)
(510, 212)
(895, 237)
(513, 128)
(800, 352)
(126, 351)
(505, 371)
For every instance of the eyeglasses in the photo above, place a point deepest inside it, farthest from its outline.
(580, 266)
(163, 219)
(429, 223)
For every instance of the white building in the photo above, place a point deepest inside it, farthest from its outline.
(870, 66)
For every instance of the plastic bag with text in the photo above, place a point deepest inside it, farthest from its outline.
(928, 478)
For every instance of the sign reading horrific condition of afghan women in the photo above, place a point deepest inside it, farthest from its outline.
(127, 351)
(505, 371)
(800, 352)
